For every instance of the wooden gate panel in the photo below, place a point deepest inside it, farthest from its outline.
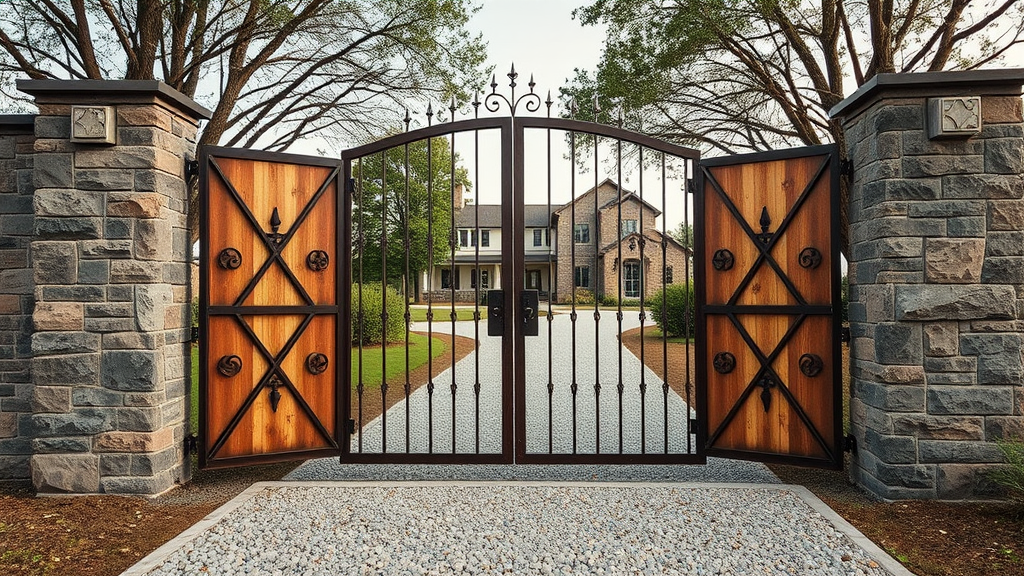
(269, 326)
(770, 307)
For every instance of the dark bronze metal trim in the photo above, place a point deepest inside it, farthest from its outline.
(317, 363)
(723, 260)
(810, 258)
(229, 259)
(318, 260)
(229, 366)
(724, 362)
(811, 365)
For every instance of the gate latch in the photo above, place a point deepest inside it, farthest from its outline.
(529, 303)
(495, 312)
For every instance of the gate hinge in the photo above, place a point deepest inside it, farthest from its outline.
(191, 169)
(191, 444)
(351, 426)
(850, 444)
(350, 186)
(846, 167)
(693, 426)
(194, 335)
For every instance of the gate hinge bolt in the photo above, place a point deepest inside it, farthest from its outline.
(350, 186)
(351, 426)
(194, 335)
(693, 426)
(191, 444)
(191, 169)
(850, 444)
(846, 167)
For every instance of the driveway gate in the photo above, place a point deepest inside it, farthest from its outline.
(563, 366)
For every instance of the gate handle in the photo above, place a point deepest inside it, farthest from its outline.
(496, 311)
(529, 314)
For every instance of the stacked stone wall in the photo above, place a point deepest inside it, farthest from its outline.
(936, 289)
(16, 293)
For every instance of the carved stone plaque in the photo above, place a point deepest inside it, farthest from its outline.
(954, 117)
(93, 124)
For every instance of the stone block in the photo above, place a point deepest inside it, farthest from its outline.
(66, 370)
(1005, 215)
(926, 427)
(899, 227)
(16, 281)
(104, 180)
(951, 364)
(966, 482)
(53, 126)
(61, 445)
(53, 343)
(143, 116)
(906, 475)
(946, 209)
(978, 185)
(139, 419)
(153, 239)
(954, 261)
(943, 452)
(970, 400)
(150, 304)
(132, 370)
(73, 293)
(132, 341)
(118, 293)
(79, 422)
(891, 449)
(136, 205)
(67, 203)
(1004, 156)
(115, 464)
(109, 310)
(1001, 110)
(891, 397)
(966, 227)
(896, 118)
(990, 344)
(96, 396)
(955, 302)
(143, 485)
(96, 249)
(51, 399)
(154, 463)
(173, 187)
(941, 339)
(135, 272)
(93, 272)
(1003, 270)
(8, 425)
(55, 262)
(147, 399)
(71, 473)
(118, 228)
(1005, 244)
(68, 228)
(14, 467)
(1006, 368)
(58, 316)
(1004, 428)
(104, 325)
(52, 171)
(941, 165)
(901, 189)
(134, 442)
(898, 343)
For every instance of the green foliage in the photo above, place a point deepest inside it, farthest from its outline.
(583, 297)
(369, 300)
(1011, 474)
(673, 310)
(195, 312)
(390, 213)
(613, 301)
(683, 233)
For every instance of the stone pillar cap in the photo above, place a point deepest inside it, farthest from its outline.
(116, 90)
(920, 84)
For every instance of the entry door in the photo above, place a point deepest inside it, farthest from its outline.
(769, 369)
(269, 329)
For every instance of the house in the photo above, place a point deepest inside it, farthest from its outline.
(574, 244)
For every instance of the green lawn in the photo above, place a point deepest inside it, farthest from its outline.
(195, 391)
(654, 332)
(443, 314)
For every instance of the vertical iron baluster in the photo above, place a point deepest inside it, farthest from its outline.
(451, 179)
(597, 313)
(574, 387)
(359, 385)
(551, 294)
(408, 280)
(686, 318)
(384, 299)
(664, 293)
(430, 285)
(621, 267)
(643, 313)
(476, 265)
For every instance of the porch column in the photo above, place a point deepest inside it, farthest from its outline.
(936, 279)
(110, 256)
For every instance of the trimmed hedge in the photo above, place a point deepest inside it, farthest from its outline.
(678, 312)
(373, 325)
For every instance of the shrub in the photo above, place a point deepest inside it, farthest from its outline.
(584, 297)
(678, 311)
(374, 331)
(195, 312)
(1011, 475)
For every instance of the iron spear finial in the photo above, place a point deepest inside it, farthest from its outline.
(430, 113)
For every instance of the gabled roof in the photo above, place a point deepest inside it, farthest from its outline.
(534, 216)
(624, 195)
(651, 235)
(627, 195)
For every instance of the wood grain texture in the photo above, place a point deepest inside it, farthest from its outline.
(801, 422)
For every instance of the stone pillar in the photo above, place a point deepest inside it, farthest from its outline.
(936, 274)
(16, 145)
(110, 256)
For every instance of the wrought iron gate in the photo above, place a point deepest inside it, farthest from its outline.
(525, 326)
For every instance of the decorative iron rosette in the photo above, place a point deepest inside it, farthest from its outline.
(229, 366)
(810, 258)
(724, 362)
(316, 363)
(229, 259)
(811, 365)
(723, 260)
(318, 260)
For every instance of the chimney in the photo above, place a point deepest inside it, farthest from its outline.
(460, 202)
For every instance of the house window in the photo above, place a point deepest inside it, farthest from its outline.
(538, 237)
(628, 227)
(582, 276)
(547, 236)
(485, 279)
(472, 278)
(631, 277)
(485, 238)
(463, 238)
(446, 279)
(668, 275)
(582, 234)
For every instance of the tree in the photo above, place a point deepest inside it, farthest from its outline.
(744, 75)
(389, 214)
(272, 71)
(683, 233)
